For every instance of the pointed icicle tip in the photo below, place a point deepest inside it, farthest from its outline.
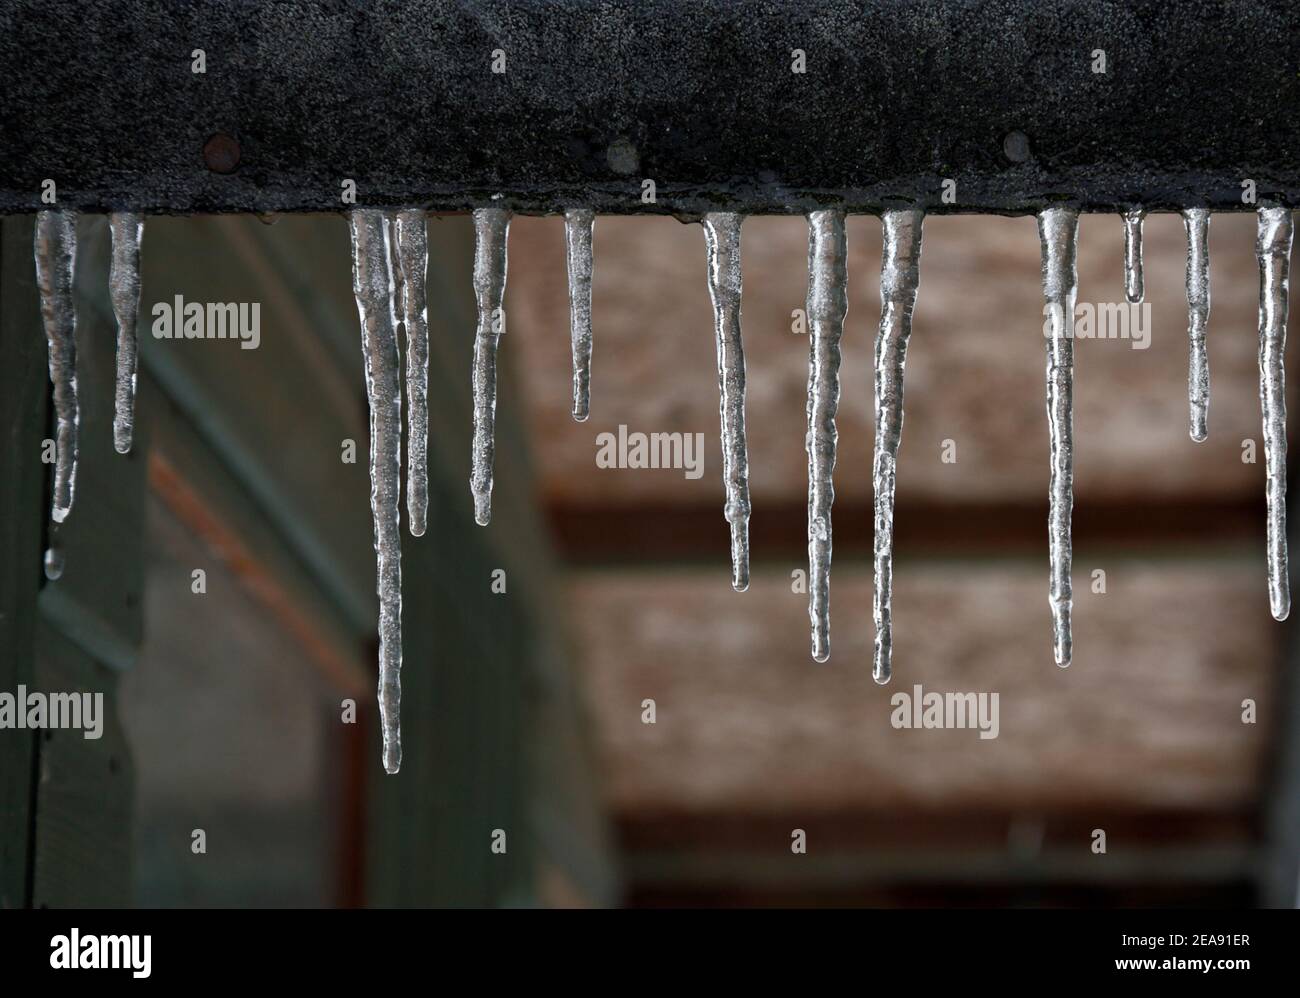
(579, 224)
(1197, 223)
(491, 229)
(722, 240)
(1273, 251)
(1058, 230)
(373, 286)
(900, 272)
(827, 305)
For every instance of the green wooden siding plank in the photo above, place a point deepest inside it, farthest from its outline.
(23, 400)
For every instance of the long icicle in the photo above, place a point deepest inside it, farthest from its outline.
(127, 229)
(722, 239)
(1134, 289)
(491, 229)
(1197, 223)
(1058, 230)
(372, 283)
(900, 269)
(579, 224)
(1273, 248)
(827, 305)
(413, 258)
(55, 247)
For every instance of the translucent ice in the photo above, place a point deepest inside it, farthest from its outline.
(372, 282)
(722, 239)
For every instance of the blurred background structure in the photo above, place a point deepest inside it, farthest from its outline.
(524, 712)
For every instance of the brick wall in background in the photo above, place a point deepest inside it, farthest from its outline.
(1143, 734)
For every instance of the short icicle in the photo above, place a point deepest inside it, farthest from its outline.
(900, 269)
(827, 305)
(722, 239)
(55, 247)
(1058, 230)
(1273, 248)
(127, 229)
(1197, 223)
(372, 283)
(491, 229)
(1134, 289)
(579, 224)
(413, 261)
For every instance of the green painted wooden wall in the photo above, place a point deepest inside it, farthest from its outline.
(494, 734)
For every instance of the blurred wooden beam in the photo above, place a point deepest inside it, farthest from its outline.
(859, 851)
(856, 828)
(666, 533)
(22, 517)
(1280, 871)
(699, 95)
(320, 641)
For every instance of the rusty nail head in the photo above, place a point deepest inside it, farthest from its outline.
(221, 153)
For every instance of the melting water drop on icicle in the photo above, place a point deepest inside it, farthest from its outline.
(900, 269)
(827, 305)
(1133, 283)
(578, 226)
(491, 228)
(1197, 223)
(1273, 248)
(127, 229)
(372, 283)
(412, 244)
(1058, 229)
(55, 247)
(722, 239)
(54, 561)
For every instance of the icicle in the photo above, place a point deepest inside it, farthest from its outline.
(413, 259)
(56, 256)
(127, 229)
(372, 282)
(1197, 223)
(1058, 229)
(827, 305)
(722, 239)
(491, 228)
(399, 279)
(1133, 284)
(900, 269)
(578, 226)
(1273, 248)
